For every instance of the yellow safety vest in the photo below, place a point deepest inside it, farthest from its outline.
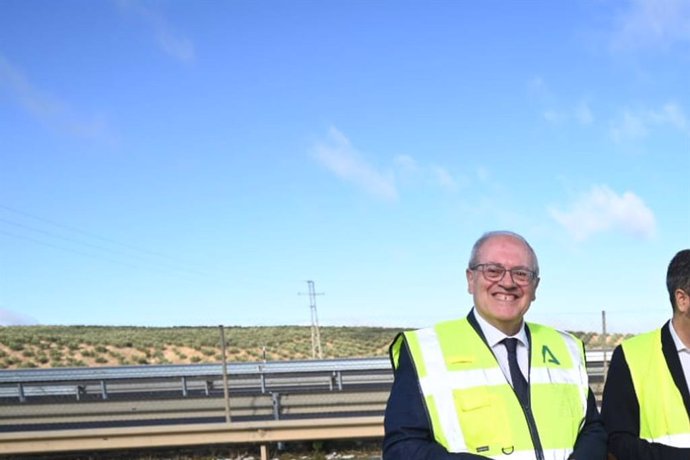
(473, 408)
(663, 418)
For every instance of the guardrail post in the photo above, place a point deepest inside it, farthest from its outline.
(184, 386)
(226, 390)
(275, 399)
(337, 377)
(104, 390)
(20, 390)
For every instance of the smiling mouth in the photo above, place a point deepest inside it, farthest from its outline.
(504, 297)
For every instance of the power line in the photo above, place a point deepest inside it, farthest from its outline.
(142, 257)
(143, 252)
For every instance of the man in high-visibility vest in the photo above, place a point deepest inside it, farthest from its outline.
(491, 385)
(646, 405)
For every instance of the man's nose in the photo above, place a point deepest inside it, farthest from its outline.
(507, 279)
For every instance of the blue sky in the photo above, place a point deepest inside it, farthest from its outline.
(194, 163)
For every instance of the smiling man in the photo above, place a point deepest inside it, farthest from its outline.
(491, 385)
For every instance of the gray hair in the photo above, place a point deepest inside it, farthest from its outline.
(474, 255)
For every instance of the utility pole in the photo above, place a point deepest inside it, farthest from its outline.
(315, 335)
(603, 330)
(226, 390)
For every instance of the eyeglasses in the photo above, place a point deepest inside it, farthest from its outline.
(495, 272)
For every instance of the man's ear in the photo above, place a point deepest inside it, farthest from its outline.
(682, 301)
(470, 274)
(536, 285)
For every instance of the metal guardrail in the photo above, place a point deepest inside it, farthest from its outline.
(53, 410)
(186, 380)
(44, 399)
(259, 433)
(22, 383)
(188, 410)
(120, 407)
(191, 370)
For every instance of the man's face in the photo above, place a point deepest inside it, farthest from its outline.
(502, 303)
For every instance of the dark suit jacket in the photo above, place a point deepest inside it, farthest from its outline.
(408, 434)
(621, 410)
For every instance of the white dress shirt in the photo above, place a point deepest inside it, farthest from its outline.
(683, 354)
(494, 338)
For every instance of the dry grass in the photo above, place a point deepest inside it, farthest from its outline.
(75, 346)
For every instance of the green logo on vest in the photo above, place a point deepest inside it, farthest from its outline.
(551, 358)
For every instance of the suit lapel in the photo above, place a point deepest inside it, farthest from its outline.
(668, 347)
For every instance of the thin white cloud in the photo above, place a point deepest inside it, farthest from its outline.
(339, 156)
(406, 164)
(554, 112)
(602, 210)
(583, 114)
(652, 24)
(672, 115)
(634, 125)
(174, 45)
(537, 87)
(553, 116)
(47, 108)
(10, 318)
(444, 179)
(408, 170)
(483, 174)
(628, 126)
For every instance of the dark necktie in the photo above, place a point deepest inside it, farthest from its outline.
(519, 382)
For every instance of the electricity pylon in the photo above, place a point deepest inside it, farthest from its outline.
(315, 335)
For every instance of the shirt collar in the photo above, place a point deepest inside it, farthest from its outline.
(680, 346)
(494, 336)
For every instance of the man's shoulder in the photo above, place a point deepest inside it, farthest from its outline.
(536, 328)
(441, 325)
(643, 338)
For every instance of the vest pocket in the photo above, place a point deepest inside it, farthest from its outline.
(559, 414)
(483, 419)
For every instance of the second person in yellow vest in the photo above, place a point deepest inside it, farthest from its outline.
(646, 405)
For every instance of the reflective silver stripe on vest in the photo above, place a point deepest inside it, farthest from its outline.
(522, 455)
(462, 380)
(553, 375)
(551, 454)
(556, 454)
(673, 440)
(438, 385)
(576, 351)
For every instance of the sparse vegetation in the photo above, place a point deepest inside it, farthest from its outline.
(68, 346)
